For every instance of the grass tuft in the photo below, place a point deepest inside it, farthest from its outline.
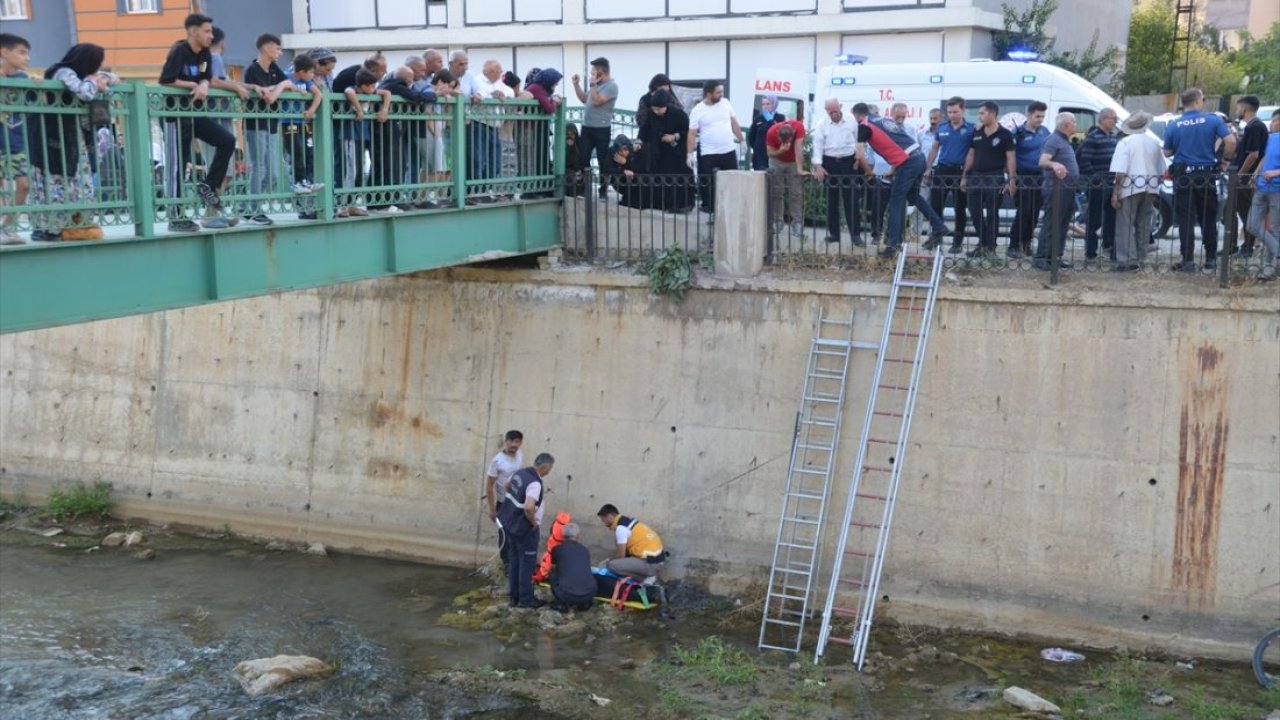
(79, 501)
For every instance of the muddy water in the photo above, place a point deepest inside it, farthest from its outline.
(100, 634)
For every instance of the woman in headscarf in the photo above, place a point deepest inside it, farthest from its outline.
(761, 120)
(533, 137)
(59, 158)
(659, 82)
(573, 165)
(664, 137)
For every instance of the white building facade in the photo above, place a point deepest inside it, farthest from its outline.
(689, 40)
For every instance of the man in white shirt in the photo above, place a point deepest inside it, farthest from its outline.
(506, 463)
(834, 161)
(715, 134)
(1138, 163)
(485, 132)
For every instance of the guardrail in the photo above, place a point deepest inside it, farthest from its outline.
(130, 162)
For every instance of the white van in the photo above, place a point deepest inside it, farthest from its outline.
(925, 86)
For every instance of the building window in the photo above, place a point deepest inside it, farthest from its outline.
(14, 10)
(141, 6)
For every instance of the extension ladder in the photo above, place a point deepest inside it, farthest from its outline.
(868, 515)
(813, 458)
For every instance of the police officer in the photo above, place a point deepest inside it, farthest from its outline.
(1028, 139)
(951, 147)
(1192, 141)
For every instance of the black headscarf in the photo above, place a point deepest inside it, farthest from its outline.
(658, 81)
(83, 59)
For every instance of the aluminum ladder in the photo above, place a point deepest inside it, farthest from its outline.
(797, 547)
(882, 449)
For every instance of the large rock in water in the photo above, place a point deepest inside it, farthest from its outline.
(267, 674)
(1028, 700)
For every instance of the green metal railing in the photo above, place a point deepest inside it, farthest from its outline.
(139, 164)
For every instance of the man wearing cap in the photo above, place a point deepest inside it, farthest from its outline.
(1192, 142)
(1138, 167)
(901, 150)
(572, 582)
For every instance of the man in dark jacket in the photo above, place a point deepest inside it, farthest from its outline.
(761, 120)
(572, 581)
(1094, 157)
(391, 139)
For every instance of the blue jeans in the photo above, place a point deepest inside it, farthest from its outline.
(1266, 205)
(264, 161)
(522, 561)
(906, 187)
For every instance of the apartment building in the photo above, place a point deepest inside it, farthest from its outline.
(689, 40)
(1234, 18)
(137, 34)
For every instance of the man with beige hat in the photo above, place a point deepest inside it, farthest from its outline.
(1138, 165)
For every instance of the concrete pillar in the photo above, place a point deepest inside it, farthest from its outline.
(742, 229)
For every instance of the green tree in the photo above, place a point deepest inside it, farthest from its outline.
(1026, 30)
(1260, 62)
(1146, 70)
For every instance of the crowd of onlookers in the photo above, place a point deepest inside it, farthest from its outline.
(870, 164)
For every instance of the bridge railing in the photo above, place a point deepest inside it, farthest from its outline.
(128, 164)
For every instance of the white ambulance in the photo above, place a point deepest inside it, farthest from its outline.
(925, 86)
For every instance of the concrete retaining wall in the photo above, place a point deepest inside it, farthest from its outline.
(1099, 465)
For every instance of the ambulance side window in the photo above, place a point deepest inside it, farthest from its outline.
(1085, 120)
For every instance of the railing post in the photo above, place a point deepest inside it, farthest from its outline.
(589, 203)
(458, 161)
(559, 161)
(138, 161)
(322, 148)
(1058, 231)
(1230, 229)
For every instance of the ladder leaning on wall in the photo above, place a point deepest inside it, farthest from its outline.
(882, 449)
(798, 545)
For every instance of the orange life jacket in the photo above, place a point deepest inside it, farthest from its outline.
(556, 537)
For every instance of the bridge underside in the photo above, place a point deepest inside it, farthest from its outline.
(69, 282)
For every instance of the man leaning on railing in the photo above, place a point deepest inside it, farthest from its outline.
(189, 66)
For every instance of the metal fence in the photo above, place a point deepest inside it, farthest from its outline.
(614, 217)
(139, 159)
(1183, 224)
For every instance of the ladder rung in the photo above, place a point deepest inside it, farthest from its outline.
(882, 442)
(802, 521)
(797, 545)
(877, 468)
(816, 398)
(828, 352)
(826, 376)
(908, 308)
(823, 448)
(883, 413)
(788, 623)
(831, 343)
(806, 496)
(869, 496)
(859, 553)
(819, 421)
(807, 471)
(842, 641)
(905, 334)
(786, 597)
(847, 612)
(894, 387)
(873, 526)
(793, 571)
(838, 322)
(915, 283)
(912, 361)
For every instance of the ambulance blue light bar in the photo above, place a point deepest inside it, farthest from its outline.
(1028, 79)
(850, 59)
(844, 81)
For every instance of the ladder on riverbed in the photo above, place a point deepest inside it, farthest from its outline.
(804, 502)
(882, 449)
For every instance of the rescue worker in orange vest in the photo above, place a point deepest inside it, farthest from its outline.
(555, 538)
(640, 553)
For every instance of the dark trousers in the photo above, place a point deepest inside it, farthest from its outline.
(1101, 215)
(946, 182)
(1195, 202)
(842, 181)
(708, 166)
(484, 152)
(877, 197)
(178, 137)
(1059, 208)
(594, 138)
(522, 561)
(387, 166)
(297, 145)
(578, 602)
(1244, 201)
(984, 206)
(1027, 203)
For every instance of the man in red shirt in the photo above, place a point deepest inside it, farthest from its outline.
(785, 164)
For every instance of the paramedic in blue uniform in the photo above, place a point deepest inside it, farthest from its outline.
(1192, 141)
(951, 147)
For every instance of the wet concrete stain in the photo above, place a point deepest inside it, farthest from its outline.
(1202, 449)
